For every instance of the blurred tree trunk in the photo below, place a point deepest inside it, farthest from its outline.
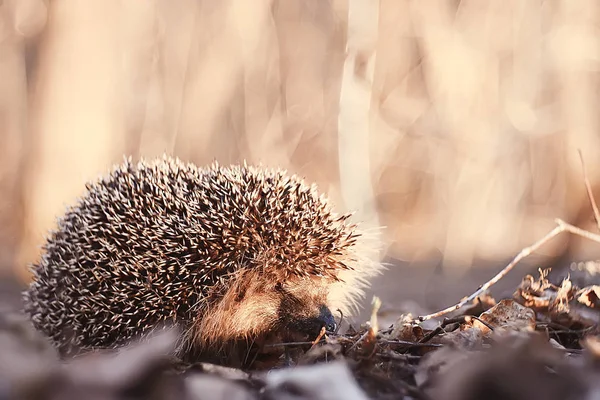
(312, 47)
(76, 114)
(20, 22)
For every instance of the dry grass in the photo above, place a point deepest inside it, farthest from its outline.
(455, 124)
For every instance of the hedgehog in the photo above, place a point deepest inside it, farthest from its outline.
(234, 257)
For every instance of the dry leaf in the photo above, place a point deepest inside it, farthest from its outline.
(564, 294)
(464, 338)
(508, 315)
(481, 304)
(406, 329)
(589, 296)
(536, 294)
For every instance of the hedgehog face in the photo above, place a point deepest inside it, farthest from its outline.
(303, 306)
(290, 309)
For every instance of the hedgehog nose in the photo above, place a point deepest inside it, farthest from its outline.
(327, 319)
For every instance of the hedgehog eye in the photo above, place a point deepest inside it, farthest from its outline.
(279, 287)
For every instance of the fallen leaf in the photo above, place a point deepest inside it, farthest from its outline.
(507, 315)
(589, 296)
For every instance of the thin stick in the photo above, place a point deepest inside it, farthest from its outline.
(291, 344)
(577, 231)
(490, 327)
(588, 187)
(409, 344)
(442, 328)
(562, 226)
(318, 339)
(524, 253)
(363, 337)
(398, 357)
(337, 328)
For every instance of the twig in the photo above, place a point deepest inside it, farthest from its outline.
(522, 254)
(398, 357)
(337, 328)
(577, 231)
(318, 339)
(558, 328)
(441, 328)
(408, 343)
(588, 187)
(364, 335)
(469, 317)
(449, 321)
(288, 344)
(562, 226)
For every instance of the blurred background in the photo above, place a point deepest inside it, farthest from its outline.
(453, 124)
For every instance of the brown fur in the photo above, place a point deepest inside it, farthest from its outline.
(256, 309)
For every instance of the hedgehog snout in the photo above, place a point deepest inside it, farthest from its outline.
(327, 319)
(311, 325)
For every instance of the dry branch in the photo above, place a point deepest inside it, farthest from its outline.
(562, 226)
